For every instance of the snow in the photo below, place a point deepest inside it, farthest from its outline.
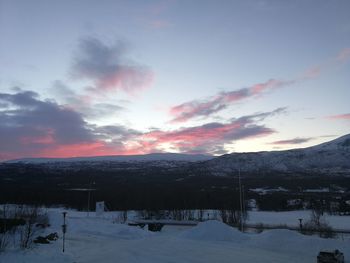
(213, 230)
(290, 218)
(320, 190)
(291, 242)
(105, 229)
(49, 253)
(343, 141)
(97, 239)
(120, 158)
(264, 191)
(331, 158)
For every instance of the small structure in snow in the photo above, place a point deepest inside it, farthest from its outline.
(330, 257)
(100, 208)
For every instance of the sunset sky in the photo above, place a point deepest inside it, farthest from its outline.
(88, 78)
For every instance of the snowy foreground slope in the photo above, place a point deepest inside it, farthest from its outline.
(99, 240)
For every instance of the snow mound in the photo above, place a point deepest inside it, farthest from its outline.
(213, 230)
(52, 254)
(291, 241)
(282, 238)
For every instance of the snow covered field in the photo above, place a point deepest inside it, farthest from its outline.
(100, 240)
(290, 218)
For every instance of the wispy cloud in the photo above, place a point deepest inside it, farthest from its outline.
(108, 67)
(84, 102)
(156, 15)
(345, 116)
(204, 108)
(33, 127)
(211, 137)
(312, 72)
(344, 55)
(297, 140)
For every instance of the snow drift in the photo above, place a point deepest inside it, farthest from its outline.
(213, 230)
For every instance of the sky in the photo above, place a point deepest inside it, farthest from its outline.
(92, 78)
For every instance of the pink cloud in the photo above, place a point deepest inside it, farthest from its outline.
(194, 136)
(43, 128)
(51, 149)
(343, 55)
(316, 71)
(108, 67)
(259, 88)
(155, 17)
(76, 149)
(204, 139)
(204, 108)
(345, 116)
(194, 139)
(188, 110)
(128, 79)
(211, 136)
(197, 108)
(313, 72)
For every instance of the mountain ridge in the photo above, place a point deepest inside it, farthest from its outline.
(119, 158)
(331, 157)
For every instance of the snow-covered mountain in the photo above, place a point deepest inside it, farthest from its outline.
(120, 158)
(328, 158)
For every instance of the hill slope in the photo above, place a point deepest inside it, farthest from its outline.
(120, 158)
(328, 158)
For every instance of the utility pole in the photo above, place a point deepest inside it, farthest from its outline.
(64, 229)
(88, 202)
(89, 195)
(240, 196)
(243, 200)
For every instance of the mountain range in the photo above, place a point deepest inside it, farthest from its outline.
(331, 158)
(121, 158)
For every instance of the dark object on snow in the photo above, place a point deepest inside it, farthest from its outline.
(330, 257)
(155, 227)
(52, 236)
(41, 240)
(47, 239)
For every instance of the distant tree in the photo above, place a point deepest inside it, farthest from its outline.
(28, 230)
(317, 224)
